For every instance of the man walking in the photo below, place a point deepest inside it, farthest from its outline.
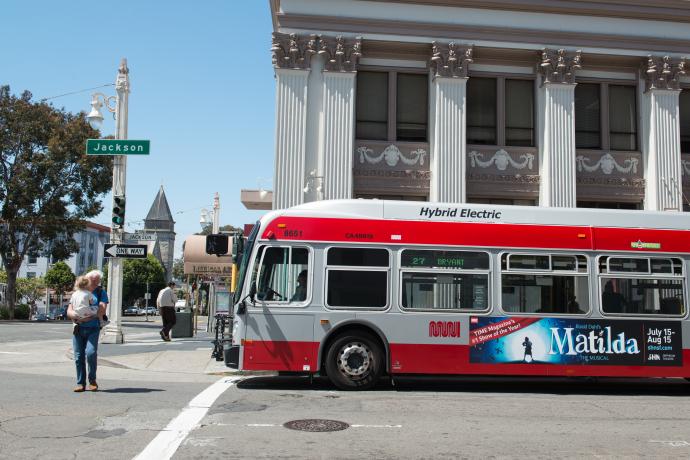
(166, 305)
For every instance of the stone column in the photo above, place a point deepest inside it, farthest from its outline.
(661, 134)
(556, 128)
(449, 64)
(341, 56)
(291, 59)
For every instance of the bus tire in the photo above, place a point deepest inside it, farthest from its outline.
(354, 361)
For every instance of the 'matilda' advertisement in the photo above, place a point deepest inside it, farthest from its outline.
(523, 340)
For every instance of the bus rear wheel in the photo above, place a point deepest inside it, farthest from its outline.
(354, 362)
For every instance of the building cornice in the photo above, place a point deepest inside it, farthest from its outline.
(472, 34)
(658, 10)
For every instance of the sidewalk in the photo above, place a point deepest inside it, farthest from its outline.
(145, 350)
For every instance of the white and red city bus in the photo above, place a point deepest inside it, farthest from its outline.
(356, 289)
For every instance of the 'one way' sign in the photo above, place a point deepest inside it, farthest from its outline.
(128, 251)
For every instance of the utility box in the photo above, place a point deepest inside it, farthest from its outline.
(184, 325)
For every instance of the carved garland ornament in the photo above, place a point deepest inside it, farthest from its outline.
(502, 159)
(559, 66)
(450, 60)
(392, 155)
(607, 163)
(663, 73)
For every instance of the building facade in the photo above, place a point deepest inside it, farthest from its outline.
(91, 241)
(569, 103)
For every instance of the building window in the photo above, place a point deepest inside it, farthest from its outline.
(392, 106)
(31, 275)
(610, 126)
(608, 205)
(685, 120)
(509, 100)
(32, 260)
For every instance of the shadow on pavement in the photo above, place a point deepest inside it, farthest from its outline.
(487, 384)
(130, 390)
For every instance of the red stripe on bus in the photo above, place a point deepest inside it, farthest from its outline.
(280, 356)
(476, 234)
(439, 359)
(454, 359)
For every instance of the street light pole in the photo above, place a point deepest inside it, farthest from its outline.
(113, 331)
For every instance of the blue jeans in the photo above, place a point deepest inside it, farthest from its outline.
(85, 346)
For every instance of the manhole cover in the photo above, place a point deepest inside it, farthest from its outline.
(316, 425)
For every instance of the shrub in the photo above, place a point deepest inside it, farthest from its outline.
(22, 311)
(4, 313)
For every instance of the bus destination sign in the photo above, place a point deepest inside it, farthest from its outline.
(444, 259)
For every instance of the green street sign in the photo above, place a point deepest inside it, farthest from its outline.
(117, 147)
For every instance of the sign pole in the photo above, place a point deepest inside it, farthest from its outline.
(113, 332)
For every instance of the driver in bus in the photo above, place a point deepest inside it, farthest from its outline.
(301, 289)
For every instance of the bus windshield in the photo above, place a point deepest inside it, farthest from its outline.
(245, 260)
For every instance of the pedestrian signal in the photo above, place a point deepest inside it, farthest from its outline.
(119, 211)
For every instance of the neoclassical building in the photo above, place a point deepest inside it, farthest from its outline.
(567, 103)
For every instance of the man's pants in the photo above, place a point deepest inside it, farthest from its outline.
(169, 319)
(85, 346)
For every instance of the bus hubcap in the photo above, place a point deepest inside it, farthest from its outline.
(354, 360)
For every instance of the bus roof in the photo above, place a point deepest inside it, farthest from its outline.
(464, 212)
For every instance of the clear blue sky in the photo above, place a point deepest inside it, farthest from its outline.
(202, 91)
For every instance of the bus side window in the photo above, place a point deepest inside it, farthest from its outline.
(283, 274)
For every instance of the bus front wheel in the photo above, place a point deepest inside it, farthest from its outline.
(354, 362)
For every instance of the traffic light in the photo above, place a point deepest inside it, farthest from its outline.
(119, 211)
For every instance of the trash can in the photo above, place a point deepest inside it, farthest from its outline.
(183, 326)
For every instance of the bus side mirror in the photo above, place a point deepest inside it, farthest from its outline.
(217, 245)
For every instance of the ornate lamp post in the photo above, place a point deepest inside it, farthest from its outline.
(118, 106)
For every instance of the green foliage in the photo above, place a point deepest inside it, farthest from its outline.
(178, 269)
(4, 314)
(30, 289)
(135, 274)
(222, 229)
(22, 311)
(60, 277)
(48, 186)
(3, 276)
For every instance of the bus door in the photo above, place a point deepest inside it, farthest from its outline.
(279, 333)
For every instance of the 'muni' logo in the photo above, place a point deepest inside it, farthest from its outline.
(444, 328)
(642, 245)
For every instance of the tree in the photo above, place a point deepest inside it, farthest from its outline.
(30, 289)
(136, 273)
(178, 269)
(60, 278)
(224, 229)
(48, 186)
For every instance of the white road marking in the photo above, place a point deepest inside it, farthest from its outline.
(674, 443)
(13, 353)
(164, 446)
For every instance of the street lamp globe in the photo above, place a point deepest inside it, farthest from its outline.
(95, 118)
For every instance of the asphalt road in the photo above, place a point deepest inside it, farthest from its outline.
(410, 418)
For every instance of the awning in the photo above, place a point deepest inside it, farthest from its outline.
(197, 262)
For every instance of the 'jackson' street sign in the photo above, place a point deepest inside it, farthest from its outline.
(117, 147)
